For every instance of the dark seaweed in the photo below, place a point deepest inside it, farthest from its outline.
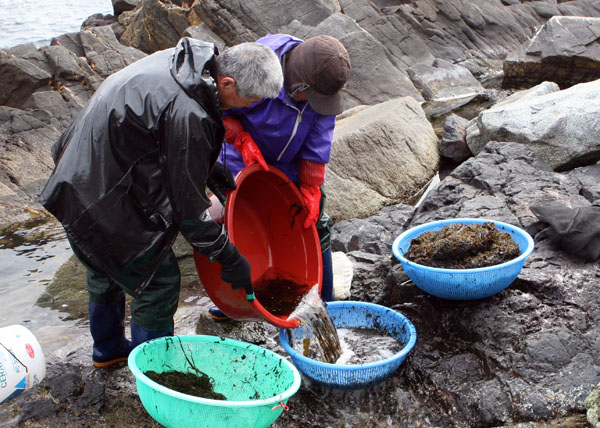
(198, 385)
(280, 296)
(463, 246)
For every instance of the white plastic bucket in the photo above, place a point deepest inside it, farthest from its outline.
(22, 363)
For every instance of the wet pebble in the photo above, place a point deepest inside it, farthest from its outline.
(63, 386)
(37, 409)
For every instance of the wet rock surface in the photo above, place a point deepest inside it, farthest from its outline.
(528, 353)
(526, 357)
(76, 395)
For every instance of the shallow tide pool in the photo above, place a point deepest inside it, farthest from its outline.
(30, 255)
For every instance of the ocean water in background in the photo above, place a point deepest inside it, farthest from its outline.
(31, 254)
(37, 21)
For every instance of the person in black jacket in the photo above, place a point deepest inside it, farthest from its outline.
(131, 173)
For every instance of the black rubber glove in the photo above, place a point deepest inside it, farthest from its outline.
(220, 181)
(235, 268)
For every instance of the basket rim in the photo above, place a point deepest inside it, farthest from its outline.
(356, 367)
(140, 376)
(466, 220)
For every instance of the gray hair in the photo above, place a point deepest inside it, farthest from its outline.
(255, 68)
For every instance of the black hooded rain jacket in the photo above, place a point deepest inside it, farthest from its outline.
(131, 170)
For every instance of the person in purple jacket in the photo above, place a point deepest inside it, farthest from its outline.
(294, 131)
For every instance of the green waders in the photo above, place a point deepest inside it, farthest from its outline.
(154, 308)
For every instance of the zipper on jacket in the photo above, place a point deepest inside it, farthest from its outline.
(296, 124)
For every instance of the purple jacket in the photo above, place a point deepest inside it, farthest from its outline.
(284, 130)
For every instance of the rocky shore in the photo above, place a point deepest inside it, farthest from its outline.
(443, 97)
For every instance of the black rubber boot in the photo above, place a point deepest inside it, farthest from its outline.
(107, 326)
(141, 335)
(217, 314)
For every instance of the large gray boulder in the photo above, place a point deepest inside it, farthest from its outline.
(155, 24)
(43, 90)
(566, 50)
(445, 86)
(381, 155)
(561, 127)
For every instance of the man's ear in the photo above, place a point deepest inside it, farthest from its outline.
(226, 83)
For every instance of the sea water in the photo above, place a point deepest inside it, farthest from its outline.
(37, 21)
(362, 346)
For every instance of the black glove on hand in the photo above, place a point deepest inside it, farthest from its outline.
(220, 181)
(235, 268)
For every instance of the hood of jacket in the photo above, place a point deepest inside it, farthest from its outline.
(194, 68)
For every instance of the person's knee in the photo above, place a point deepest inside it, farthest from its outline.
(105, 295)
(155, 310)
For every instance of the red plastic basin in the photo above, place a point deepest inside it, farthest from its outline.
(264, 217)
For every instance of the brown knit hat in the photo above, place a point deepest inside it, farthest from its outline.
(321, 62)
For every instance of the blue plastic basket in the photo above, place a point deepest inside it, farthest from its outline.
(355, 315)
(462, 284)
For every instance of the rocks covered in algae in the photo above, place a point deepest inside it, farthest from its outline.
(463, 246)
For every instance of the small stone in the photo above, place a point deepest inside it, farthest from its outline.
(64, 385)
(93, 394)
(37, 409)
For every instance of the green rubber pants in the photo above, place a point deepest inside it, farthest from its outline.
(154, 308)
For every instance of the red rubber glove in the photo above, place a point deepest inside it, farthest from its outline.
(311, 175)
(236, 135)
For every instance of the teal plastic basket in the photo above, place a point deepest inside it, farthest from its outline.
(463, 284)
(256, 381)
(354, 315)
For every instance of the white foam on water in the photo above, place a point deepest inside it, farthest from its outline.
(361, 346)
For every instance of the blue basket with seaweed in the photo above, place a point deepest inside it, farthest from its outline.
(360, 315)
(463, 284)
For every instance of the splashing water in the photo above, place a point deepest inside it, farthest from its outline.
(362, 346)
(343, 346)
(313, 315)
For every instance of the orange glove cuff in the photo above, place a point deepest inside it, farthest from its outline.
(311, 173)
(250, 152)
(233, 129)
